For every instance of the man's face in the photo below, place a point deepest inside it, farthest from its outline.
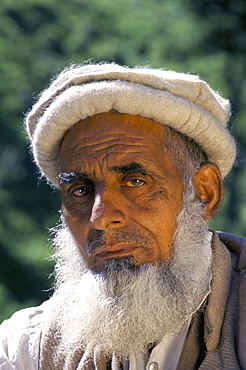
(121, 193)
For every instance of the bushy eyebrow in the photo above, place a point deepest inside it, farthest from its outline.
(70, 177)
(130, 168)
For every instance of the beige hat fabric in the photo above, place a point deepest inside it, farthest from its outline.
(181, 101)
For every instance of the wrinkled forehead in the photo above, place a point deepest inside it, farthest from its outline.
(111, 129)
(111, 140)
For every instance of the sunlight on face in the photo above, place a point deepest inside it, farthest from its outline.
(121, 193)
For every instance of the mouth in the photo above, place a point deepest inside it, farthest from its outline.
(119, 250)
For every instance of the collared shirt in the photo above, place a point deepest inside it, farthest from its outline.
(164, 355)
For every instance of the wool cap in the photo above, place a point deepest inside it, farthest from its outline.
(181, 101)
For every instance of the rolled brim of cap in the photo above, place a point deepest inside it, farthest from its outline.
(180, 101)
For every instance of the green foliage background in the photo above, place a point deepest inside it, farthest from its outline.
(38, 38)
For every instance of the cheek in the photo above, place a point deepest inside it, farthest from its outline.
(76, 210)
(159, 206)
(75, 206)
(77, 224)
(158, 216)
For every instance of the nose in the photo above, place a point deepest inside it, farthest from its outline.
(106, 213)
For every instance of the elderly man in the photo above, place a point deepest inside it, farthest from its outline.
(141, 282)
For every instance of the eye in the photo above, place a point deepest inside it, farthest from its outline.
(82, 191)
(134, 183)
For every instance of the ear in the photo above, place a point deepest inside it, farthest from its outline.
(208, 186)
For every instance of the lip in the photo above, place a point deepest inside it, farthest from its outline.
(118, 250)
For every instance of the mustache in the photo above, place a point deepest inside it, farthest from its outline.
(95, 241)
(119, 236)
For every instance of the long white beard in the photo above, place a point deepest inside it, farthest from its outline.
(126, 311)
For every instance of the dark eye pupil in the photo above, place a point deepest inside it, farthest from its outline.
(136, 182)
(81, 191)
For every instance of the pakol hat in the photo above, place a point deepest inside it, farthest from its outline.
(182, 101)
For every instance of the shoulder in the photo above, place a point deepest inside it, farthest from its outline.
(236, 245)
(236, 307)
(20, 337)
(232, 239)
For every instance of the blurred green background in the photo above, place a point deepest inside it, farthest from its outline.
(38, 38)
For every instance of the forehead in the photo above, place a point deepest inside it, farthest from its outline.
(109, 135)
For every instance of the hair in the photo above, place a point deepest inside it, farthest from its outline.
(186, 154)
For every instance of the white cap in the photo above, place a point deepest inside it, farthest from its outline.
(181, 101)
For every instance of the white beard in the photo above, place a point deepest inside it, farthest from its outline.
(127, 312)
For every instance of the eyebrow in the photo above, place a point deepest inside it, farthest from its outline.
(70, 177)
(130, 168)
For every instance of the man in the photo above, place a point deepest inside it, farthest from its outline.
(141, 282)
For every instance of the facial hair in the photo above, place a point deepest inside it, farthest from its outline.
(126, 308)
